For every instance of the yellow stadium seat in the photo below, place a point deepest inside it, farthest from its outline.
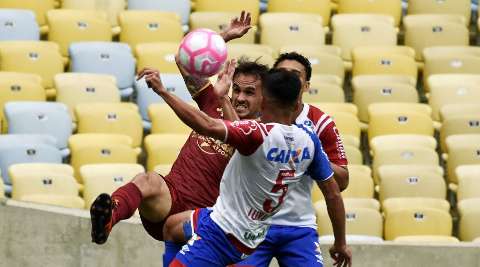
(452, 89)
(365, 51)
(68, 26)
(319, 7)
(106, 178)
(26, 168)
(392, 8)
(111, 7)
(411, 170)
(235, 6)
(160, 56)
(454, 7)
(359, 221)
(77, 141)
(254, 52)
(400, 140)
(360, 184)
(218, 21)
(470, 216)
(454, 110)
(426, 239)
(468, 181)
(354, 155)
(399, 203)
(164, 120)
(353, 30)
(417, 221)
(347, 124)
(280, 29)
(375, 79)
(327, 78)
(323, 92)
(468, 126)
(77, 88)
(460, 152)
(115, 118)
(336, 107)
(405, 156)
(36, 57)
(163, 148)
(40, 7)
(422, 31)
(16, 86)
(46, 187)
(399, 122)
(422, 184)
(2, 189)
(323, 59)
(367, 93)
(163, 169)
(378, 64)
(146, 26)
(349, 203)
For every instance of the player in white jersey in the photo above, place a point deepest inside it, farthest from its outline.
(270, 157)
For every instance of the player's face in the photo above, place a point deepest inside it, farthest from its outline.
(297, 68)
(247, 95)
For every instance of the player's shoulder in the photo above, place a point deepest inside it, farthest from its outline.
(250, 126)
(315, 114)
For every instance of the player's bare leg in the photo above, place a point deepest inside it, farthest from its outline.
(147, 192)
(175, 226)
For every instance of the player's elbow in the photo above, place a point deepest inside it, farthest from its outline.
(342, 178)
(212, 128)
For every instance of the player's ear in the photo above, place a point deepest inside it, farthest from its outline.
(306, 86)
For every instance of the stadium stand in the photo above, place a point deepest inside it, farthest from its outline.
(39, 7)
(163, 148)
(165, 121)
(457, 7)
(18, 24)
(391, 8)
(181, 7)
(468, 182)
(319, 7)
(469, 217)
(111, 7)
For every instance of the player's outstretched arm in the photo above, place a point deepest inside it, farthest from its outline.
(238, 27)
(222, 87)
(340, 253)
(194, 118)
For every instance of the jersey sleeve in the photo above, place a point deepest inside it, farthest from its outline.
(208, 102)
(332, 145)
(245, 136)
(319, 169)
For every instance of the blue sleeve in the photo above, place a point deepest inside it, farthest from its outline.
(319, 169)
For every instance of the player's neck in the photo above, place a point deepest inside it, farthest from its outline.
(277, 116)
(297, 111)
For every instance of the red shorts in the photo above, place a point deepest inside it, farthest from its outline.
(155, 229)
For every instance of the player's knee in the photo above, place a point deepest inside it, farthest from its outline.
(148, 183)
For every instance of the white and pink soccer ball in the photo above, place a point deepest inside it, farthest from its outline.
(202, 53)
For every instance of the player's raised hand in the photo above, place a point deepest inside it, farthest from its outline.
(341, 255)
(225, 77)
(152, 78)
(238, 27)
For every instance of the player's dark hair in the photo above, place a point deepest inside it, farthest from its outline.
(248, 67)
(282, 87)
(297, 57)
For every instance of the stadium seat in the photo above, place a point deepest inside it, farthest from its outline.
(366, 93)
(468, 181)
(360, 183)
(366, 203)
(426, 239)
(69, 26)
(280, 29)
(160, 56)
(454, 110)
(78, 141)
(354, 155)
(111, 7)
(24, 153)
(392, 8)
(217, 21)
(333, 108)
(263, 53)
(105, 58)
(378, 63)
(469, 218)
(19, 87)
(405, 156)
(163, 148)
(41, 58)
(347, 124)
(44, 186)
(422, 184)
(460, 152)
(467, 125)
(2, 189)
(359, 221)
(165, 121)
(319, 7)
(181, 7)
(163, 169)
(236, 6)
(422, 31)
(106, 178)
(454, 7)
(323, 59)
(80, 88)
(328, 78)
(353, 30)
(40, 118)
(412, 169)
(399, 203)
(18, 24)
(115, 118)
(400, 140)
(145, 26)
(323, 92)
(448, 89)
(374, 79)
(40, 7)
(417, 221)
(365, 51)
(9, 139)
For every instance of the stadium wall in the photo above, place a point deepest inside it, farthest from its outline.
(37, 235)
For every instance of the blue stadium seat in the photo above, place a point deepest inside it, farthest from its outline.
(111, 58)
(18, 24)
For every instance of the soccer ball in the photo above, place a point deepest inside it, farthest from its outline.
(202, 53)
